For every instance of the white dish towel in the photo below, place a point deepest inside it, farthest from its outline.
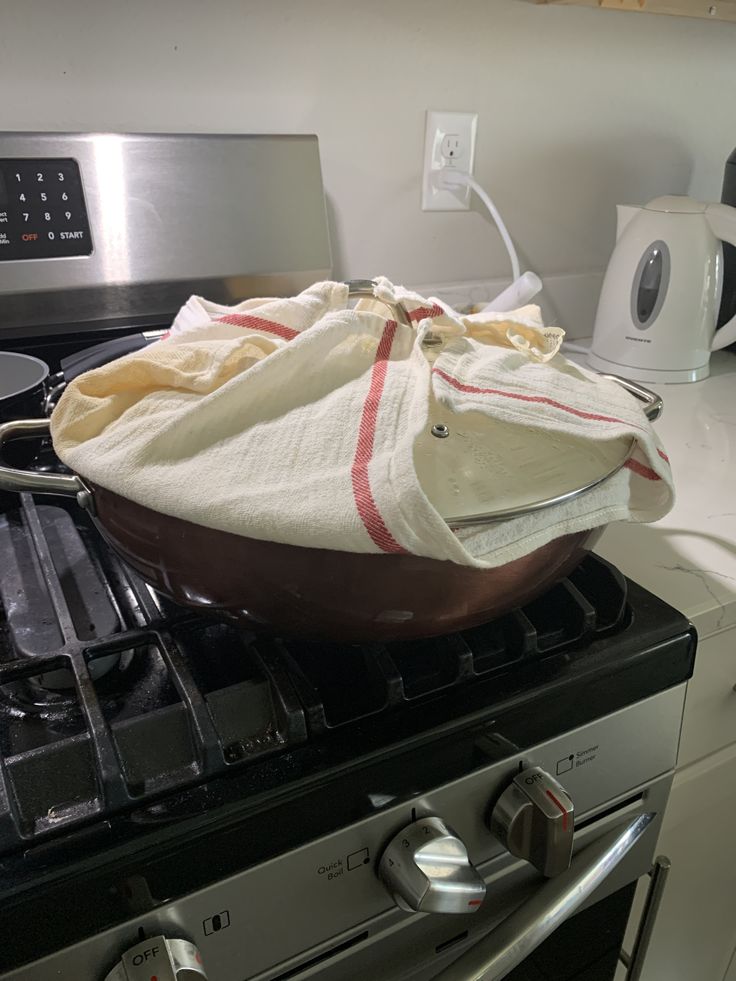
(294, 420)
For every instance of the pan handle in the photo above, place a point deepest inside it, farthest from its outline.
(32, 481)
(367, 287)
(653, 403)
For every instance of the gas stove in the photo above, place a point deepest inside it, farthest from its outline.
(148, 754)
(112, 699)
(181, 798)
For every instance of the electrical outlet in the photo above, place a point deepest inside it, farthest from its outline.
(451, 147)
(449, 142)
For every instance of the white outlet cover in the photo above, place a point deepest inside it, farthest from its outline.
(438, 156)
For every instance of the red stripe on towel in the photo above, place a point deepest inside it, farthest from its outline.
(642, 470)
(364, 500)
(536, 399)
(258, 323)
(421, 312)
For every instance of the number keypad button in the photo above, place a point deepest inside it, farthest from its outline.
(42, 210)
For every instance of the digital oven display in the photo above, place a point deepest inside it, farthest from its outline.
(42, 209)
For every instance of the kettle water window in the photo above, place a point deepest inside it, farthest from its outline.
(650, 285)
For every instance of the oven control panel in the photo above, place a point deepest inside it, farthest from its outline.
(159, 959)
(42, 209)
(320, 910)
(427, 870)
(534, 818)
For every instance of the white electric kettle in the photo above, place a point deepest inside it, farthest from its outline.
(659, 302)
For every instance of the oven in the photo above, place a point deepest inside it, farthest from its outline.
(181, 798)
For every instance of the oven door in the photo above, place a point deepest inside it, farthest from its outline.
(585, 948)
(568, 928)
(543, 939)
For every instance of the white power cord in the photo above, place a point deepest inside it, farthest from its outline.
(518, 294)
(524, 287)
(449, 179)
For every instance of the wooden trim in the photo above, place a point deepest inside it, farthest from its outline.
(724, 10)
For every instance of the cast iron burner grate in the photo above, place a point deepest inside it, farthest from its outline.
(111, 697)
(337, 684)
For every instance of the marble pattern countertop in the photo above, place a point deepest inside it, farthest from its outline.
(689, 557)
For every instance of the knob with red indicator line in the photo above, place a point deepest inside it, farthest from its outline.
(535, 819)
(159, 959)
(426, 869)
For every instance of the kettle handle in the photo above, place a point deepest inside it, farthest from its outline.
(722, 221)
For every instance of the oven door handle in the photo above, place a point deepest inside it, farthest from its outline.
(504, 948)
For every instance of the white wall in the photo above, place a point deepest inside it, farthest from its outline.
(579, 108)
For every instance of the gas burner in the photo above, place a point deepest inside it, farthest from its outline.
(109, 695)
(53, 593)
(127, 695)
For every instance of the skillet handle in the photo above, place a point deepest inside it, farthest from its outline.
(32, 481)
(100, 354)
(366, 287)
(653, 403)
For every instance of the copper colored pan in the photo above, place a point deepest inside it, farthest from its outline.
(341, 596)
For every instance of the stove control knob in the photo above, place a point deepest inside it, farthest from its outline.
(161, 958)
(535, 819)
(426, 869)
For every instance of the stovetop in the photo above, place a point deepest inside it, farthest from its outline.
(113, 698)
(147, 752)
(140, 743)
(143, 743)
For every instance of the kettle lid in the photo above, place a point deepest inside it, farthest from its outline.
(676, 204)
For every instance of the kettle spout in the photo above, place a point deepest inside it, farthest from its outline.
(624, 214)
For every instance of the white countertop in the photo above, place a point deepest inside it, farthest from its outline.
(689, 557)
